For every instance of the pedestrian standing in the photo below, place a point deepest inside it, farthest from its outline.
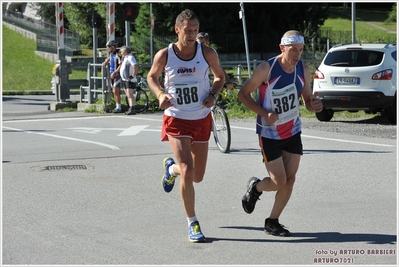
(114, 60)
(128, 70)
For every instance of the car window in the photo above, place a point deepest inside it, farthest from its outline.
(393, 54)
(353, 58)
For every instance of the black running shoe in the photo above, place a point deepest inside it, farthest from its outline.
(251, 196)
(273, 227)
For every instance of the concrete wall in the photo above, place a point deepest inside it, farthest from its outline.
(21, 31)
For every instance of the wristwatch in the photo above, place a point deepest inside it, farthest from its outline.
(215, 95)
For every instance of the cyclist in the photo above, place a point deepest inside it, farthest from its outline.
(114, 60)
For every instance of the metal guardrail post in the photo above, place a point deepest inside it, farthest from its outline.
(92, 89)
(239, 80)
(106, 85)
(89, 93)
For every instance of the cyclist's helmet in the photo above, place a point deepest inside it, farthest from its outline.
(111, 43)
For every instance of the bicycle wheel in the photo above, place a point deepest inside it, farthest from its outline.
(141, 98)
(221, 129)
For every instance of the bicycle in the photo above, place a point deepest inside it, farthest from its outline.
(140, 95)
(221, 126)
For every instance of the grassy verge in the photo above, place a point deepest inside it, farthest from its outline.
(22, 68)
(366, 31)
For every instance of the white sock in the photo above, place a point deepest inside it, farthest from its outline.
(118, 106)
(171, 170)
(191, 219)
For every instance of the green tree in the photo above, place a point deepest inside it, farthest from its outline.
(46, 11)
(265, 20)
(79, 14)
(221, 19)
(391, 15)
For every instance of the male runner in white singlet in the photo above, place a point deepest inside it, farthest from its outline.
(187, 102)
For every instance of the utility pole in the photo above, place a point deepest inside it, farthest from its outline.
(353, 22)
(62, 92)
(111, 21)
(151, 37)
(242, 16)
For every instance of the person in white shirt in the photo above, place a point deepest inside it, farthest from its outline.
(128, 72)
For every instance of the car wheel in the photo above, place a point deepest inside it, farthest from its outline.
(325, 115)
(391, 112)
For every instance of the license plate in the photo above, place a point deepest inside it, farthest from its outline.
(346, 80)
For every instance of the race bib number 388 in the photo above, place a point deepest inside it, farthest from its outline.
(186, 95)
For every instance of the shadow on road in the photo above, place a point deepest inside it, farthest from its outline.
(383, 120)
(317, 237)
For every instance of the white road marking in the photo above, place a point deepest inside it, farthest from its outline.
(233, 127)
(133, 130)
(324, 138)
(64, 137)
(346, 141)
(91, 130)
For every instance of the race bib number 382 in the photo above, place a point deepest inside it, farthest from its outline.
(285, 103)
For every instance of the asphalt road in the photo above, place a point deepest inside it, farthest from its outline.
(85, 189)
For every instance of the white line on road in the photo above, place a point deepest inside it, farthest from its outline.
(233, 127)
(346, 141)
(324, 138)
(58, 119)
(133, 130)
(67, 138)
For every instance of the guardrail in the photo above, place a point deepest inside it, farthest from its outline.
(95, 84)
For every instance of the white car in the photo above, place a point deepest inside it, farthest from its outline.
(355, 77)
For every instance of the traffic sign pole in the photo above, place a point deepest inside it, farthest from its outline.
(111, 25)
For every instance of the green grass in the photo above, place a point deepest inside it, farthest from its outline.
(340, 20)
(22, 68)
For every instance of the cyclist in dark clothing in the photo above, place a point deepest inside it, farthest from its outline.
(114, 61)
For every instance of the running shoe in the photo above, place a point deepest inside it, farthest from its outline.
(168, 180)
(194, 233)
(251, 196)
(273, 227)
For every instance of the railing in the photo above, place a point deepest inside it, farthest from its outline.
(46, 33)
(96, 84)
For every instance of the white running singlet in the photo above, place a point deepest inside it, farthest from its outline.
(187, 81)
